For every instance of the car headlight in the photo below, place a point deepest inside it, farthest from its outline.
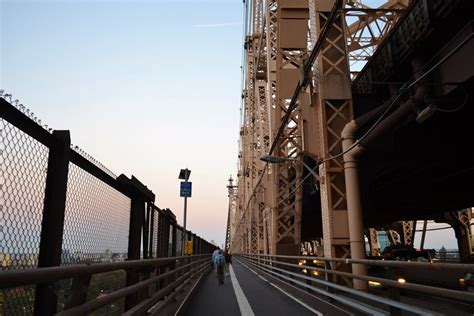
(373, 283)
(401, 280)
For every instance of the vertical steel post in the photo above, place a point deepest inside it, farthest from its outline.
(423, 234)
(173, 250)
(146, 230)
(137, 214)
(184, 236)
(52, 225)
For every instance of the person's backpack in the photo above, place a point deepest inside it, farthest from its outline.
(220, 261)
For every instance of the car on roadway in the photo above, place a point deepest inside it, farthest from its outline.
(397, 254)
(304, 263)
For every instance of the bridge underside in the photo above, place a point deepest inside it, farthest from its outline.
(414, 170)
(422, 169)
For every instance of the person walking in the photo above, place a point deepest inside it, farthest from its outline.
(214, 254)
(219, 264)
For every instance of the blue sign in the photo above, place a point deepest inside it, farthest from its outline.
(186, 188)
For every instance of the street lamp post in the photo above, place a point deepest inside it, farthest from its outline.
(275, 159)
(185, 192)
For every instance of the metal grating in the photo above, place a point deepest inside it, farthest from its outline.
(23, 169)
(96, 223)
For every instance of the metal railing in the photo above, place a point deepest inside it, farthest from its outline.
(317, 274)
(60, 207)
(161, 280)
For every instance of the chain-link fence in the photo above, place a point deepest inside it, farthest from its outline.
(96, 220)
(23, 169)
(102, 218)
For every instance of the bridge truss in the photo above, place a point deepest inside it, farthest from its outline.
(299, 59)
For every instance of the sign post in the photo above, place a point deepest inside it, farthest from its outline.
(185, 191)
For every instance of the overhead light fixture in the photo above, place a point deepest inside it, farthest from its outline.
(184, 174)
(425, 114)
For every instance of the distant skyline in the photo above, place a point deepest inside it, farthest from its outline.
(145, 87)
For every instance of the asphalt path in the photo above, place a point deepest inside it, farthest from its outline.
(262, 297)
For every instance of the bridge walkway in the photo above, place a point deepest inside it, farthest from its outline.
(247, 293)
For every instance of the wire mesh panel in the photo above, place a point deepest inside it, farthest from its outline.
(96, 221)
(23, 169)
(100, 285)
(105, 283)
(94, 161)
(179, 236)
(154, 237)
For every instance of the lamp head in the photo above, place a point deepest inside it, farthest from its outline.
(184, 174)
(273, 159)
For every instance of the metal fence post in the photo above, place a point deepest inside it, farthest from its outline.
(151, 217)
(146, 230)
(173, 250)
(137, 215)
(52, 225)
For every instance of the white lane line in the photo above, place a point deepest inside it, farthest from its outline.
(244, 306)
(283, 291)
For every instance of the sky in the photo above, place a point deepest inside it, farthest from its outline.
(145, 87)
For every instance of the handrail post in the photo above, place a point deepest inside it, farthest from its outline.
(52, 225)
(393, 293)
(134, 243)
(329, 277)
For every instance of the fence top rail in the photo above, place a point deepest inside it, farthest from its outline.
(383, 263)
(51, 274)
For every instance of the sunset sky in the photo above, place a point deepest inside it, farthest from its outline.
(146, 87)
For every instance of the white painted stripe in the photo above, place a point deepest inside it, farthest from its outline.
(244, 306)
(297, 300)
(283, 291)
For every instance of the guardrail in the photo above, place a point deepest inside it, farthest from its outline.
(161, 280)
(317, 274)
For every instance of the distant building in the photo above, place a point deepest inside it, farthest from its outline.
(383, 240)
(5, 260)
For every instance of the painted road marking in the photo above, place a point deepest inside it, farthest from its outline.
(244, 306)
(283, 291)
